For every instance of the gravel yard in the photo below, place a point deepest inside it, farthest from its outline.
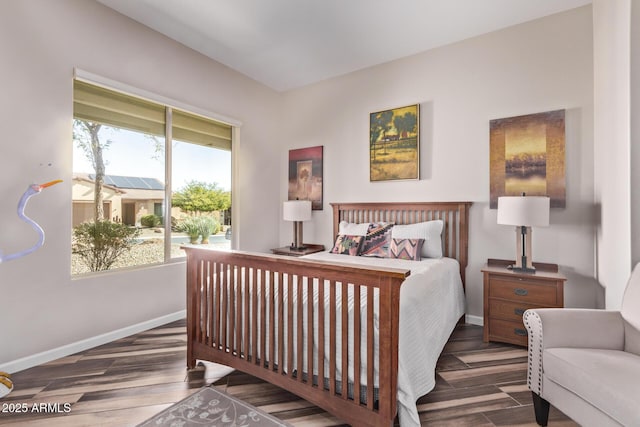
(149, 251)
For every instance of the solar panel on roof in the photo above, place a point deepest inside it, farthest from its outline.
(115, 181)
(129, 182)
(132, 182)
(136, 182)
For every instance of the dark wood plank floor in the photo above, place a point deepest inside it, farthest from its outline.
(127, 381)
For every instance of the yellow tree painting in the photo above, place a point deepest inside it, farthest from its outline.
(394, 144)
(527, 156)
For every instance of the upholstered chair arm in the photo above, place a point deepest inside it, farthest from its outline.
(567, 327)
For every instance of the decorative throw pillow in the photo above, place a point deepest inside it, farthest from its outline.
(376, 242)
(353, 228)
(409, 249)
(430, 231)
(347, 245)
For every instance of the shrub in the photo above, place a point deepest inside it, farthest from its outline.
(190, 226)
(207, 226)
(100, 243)
(150, 221)
(196, 226)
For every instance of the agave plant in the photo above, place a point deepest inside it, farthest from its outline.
(207, 226)
(191, 226)
(197, 226)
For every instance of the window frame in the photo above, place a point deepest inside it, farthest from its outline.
(170, 105)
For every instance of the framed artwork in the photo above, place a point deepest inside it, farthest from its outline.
(394, 144)
(527, 155)
(305, 175)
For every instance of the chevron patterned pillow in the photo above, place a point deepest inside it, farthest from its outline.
(430, 231)
(409, 249)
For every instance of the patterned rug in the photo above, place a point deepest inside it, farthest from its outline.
(210, 407)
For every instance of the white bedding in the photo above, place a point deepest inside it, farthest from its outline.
(431, 302)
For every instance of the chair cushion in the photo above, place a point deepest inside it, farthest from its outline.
(631, 312)
(607, 379)
(631, 339)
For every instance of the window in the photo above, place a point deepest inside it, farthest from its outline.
(124, 149)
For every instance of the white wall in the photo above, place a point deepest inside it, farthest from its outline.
(611, 30)
(534, 67)
(40, 44)
(538, 66)
(635, 131)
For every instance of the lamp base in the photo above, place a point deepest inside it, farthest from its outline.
(515, 268)
(523, 262)
(297, 244)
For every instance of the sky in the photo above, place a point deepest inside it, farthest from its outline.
(132, 154)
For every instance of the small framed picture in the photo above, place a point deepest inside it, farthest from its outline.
(305, 175)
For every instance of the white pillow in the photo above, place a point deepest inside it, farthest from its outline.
(430, 231)
(353, 229)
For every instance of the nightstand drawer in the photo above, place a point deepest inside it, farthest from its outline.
(505, 331)
(526, 290)
(508, 310)
(508, 293)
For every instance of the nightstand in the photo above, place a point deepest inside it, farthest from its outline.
(310, 249)
(507, 294)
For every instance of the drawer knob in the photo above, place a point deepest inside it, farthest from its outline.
(519, 311)
(520, 292)
(521, 332)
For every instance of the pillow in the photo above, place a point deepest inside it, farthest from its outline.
(352, 228)
(406, 249)
(376, 242)
(430, 231)
(347, 245)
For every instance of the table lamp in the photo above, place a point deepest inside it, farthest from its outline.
(524, 212)
(297, 211)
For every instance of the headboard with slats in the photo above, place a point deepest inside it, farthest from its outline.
(455, 235)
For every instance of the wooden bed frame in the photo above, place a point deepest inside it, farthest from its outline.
(237, 314)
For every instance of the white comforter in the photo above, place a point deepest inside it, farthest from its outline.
(431, 302)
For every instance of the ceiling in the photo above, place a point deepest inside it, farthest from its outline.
(286, 44)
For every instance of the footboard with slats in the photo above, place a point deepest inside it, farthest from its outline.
(238, 315)
(256, 313)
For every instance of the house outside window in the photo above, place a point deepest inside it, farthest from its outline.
(124, 150)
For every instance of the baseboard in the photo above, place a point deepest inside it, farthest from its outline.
(474, 320)
(66, 350)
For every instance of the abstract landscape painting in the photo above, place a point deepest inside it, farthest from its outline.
(527, 155)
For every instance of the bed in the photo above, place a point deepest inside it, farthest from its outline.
(335, 329)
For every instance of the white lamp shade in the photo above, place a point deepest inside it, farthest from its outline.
(531, 211)
(297, 210)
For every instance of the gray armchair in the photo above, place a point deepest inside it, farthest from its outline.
(586, 362)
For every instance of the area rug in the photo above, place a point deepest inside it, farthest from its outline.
(210, 407)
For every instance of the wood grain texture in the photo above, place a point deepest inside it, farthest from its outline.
(455, 216)
(508, 293)
(303, 274)
(129, 380)
(344, 279)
